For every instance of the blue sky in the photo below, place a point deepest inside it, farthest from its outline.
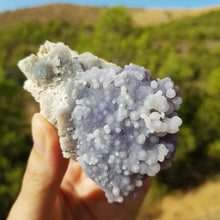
(7, 5)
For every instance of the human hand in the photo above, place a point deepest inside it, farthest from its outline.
(57, 188)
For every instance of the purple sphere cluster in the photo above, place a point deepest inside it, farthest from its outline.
(125, 126)
(119, 124)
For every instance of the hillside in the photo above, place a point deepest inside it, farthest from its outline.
(89, 15)
(145, 17)
(189, 55)
(43, 14)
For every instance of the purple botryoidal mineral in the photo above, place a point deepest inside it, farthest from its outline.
(119, 124)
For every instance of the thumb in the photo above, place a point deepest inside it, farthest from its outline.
(46, 165)
(45, 170)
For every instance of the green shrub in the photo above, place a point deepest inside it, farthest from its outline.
(187, 50)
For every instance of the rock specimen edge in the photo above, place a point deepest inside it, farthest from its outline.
(119, 124)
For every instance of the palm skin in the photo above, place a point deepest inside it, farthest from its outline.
(80, 198)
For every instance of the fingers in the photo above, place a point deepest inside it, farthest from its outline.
(44, 172)
(74, 172)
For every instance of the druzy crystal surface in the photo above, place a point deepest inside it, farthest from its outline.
(118, 123)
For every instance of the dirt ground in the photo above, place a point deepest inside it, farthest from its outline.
(202, 203)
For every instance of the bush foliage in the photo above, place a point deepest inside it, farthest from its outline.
(187, 50)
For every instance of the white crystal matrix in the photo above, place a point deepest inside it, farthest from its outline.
(119, 124)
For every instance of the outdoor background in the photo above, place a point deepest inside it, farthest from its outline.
(184, 45)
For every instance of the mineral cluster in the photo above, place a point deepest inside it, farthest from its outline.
(119, 124)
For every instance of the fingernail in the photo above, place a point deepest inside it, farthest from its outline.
(38, 133)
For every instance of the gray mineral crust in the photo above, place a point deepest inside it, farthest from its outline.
(118, 123)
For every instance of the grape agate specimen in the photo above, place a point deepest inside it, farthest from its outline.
(119, 124)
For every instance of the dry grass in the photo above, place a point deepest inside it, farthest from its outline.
(61, 12)
(89, 15)
(199, 204)
(145, 17)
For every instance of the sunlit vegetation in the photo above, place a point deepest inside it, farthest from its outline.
(187, 50)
